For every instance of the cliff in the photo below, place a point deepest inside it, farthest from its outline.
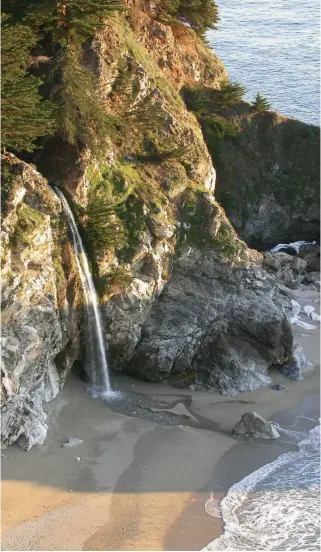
(183, 299)
(268, 169)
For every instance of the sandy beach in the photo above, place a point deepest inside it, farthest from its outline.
(148, 462)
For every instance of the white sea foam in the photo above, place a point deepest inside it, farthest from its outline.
(296, 321)
(294, 245)
(308, 311)
(276, 507)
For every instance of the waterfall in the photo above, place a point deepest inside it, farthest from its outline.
(100, 378)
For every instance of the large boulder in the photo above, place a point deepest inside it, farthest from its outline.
(252, 424)
(213, 327)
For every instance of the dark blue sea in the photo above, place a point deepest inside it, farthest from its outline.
(273, 46)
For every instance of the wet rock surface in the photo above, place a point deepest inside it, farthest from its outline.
(166, 410)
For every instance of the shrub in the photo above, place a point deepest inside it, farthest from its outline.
(229, 94)
(203, 101)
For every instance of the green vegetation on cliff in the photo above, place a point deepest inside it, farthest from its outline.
(48, 38)
(25, 115)
(199, 14)
(203, 227)
(29, 223)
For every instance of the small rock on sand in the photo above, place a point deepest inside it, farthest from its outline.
(254, 425)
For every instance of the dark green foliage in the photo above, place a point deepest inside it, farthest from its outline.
(115, 214)
(211, 108)
(57, 32)
(205, 101)
(145, 115)
(154, 151)
(104, 230)
(69, 20)
(194, 215)
(226, 242)
(270, 157)
(81, 114)
(199, 14)
(261, 104)
(25, 115)
(215, 130)
(229, 94)
(134, 222)
(82, 117)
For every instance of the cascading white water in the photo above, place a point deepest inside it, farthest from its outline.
(91, 303)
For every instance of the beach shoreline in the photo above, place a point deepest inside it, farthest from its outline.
(136, 483)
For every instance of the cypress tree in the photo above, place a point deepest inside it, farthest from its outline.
(63, 27)
(261, 104)
(25, 115)
(199, 14)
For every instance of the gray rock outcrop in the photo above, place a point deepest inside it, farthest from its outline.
(288, 270)
(216, 325)
(252, 424)
(310, 253)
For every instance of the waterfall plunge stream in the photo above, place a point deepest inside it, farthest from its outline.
(95, 340)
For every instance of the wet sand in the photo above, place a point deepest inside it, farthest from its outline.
(142, 484)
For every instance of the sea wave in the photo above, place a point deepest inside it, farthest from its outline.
(276, 507)
(273, 47)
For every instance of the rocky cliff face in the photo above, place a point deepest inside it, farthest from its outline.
(183, 298)
(40, 340)
(267, 176)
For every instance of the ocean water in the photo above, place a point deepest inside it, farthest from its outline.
(278, 506)
(273, 46)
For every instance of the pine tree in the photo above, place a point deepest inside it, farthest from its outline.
(229, 94)
(261, 104)
(25, 115)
